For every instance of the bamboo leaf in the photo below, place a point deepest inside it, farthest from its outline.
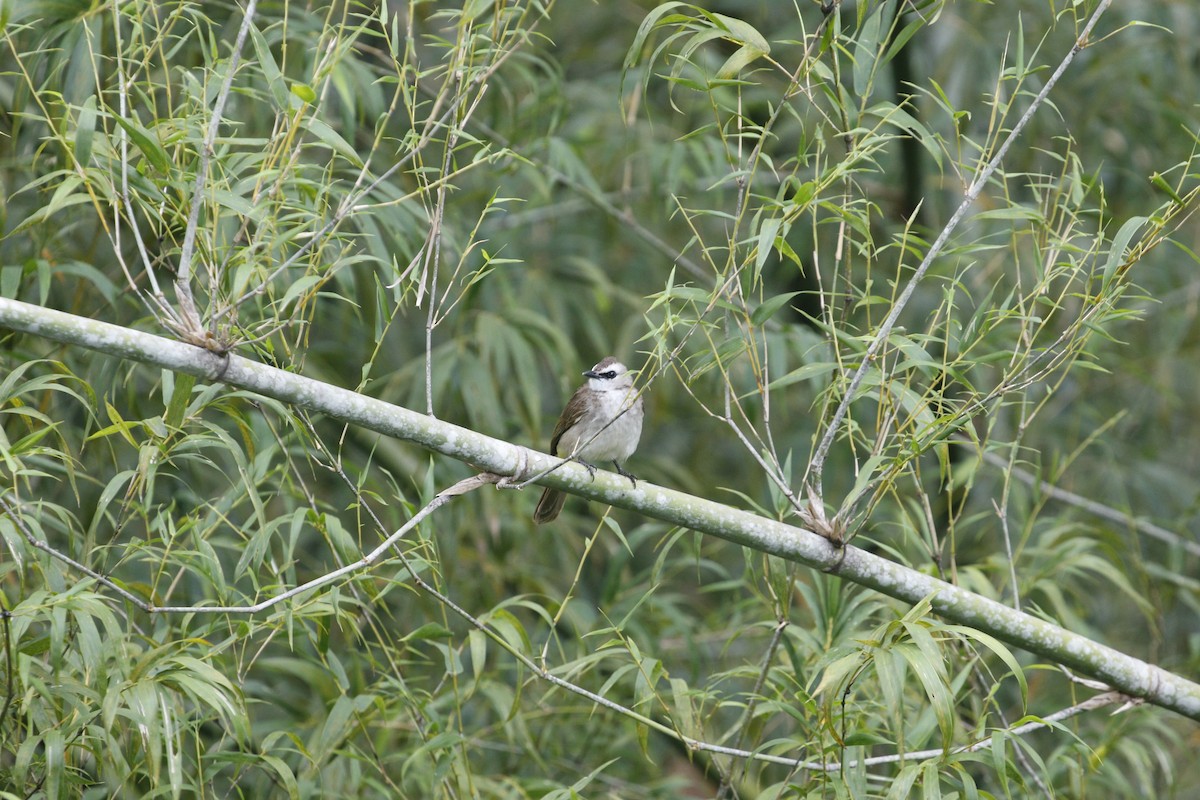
(85, 131)
(146, 143)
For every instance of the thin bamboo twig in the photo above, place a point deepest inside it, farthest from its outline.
(1092, 703)
(818, 460)
(14, 514)
(183, 275)
(160, 304)
(748, 713)
(462, 487)
(347, 207)
(1091, 506)
(350, 204)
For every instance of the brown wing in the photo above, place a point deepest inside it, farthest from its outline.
(570, 416)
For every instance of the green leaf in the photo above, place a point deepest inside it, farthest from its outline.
(64, 197)
(270, 70)
(430, 630)
(1004, 654)
(254, 550)
(573, 791)
(85, 131)
(768, 308)
(918, 408)
(930, 671)
(817, 369)
(474, 8)
(511, 630)
(10, 280)
(931, 787)
(837, 671)
(147, 143)
(55, 746)
(743, 32)
(478, 642)
(304, 92)
(1017, 213)
(1116, 253)
(298, 288)
(768, 231)
(238, 205)
(894, 115)
(118, 425)
(1159, 183)
(866, 738)
(283, 772)
(741, 58)
(685, 713)
(866, 51)
(332, 139)
(649, 23)
(901, 788)
(98, 280)
(177, 397)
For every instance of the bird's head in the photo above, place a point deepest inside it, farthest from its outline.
(609, 375)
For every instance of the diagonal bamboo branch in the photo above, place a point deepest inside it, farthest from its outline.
(1123, 672)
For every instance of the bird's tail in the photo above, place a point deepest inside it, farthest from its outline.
(548, 506)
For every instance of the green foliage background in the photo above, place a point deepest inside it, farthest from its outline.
(730, 197)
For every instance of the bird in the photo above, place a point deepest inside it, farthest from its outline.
(602, 422)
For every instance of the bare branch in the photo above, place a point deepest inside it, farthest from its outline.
(1092, 703)
(183, 275)
(468, 485)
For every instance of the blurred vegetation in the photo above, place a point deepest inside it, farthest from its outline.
(458, 209)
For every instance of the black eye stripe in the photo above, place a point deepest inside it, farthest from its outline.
(608, 375)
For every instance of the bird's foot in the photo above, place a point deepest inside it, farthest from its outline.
(630, 475)
(591, 468)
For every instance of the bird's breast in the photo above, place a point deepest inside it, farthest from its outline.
(616, 442)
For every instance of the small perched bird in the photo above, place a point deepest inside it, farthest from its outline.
(584, 432)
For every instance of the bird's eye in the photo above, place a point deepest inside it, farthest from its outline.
(608, 376)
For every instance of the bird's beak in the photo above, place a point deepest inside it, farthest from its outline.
(591, 374)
